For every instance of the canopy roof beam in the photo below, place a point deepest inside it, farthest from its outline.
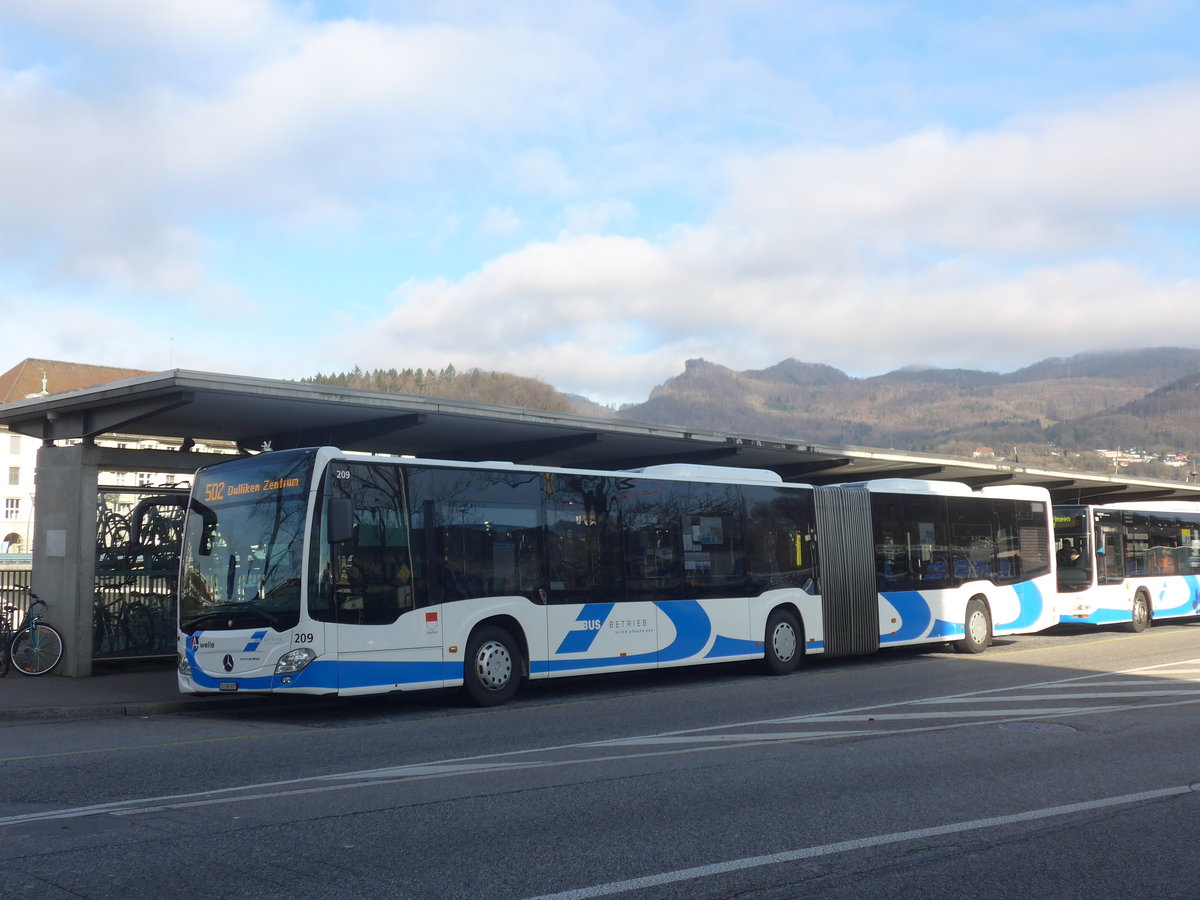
(347, 436)
(526, 451)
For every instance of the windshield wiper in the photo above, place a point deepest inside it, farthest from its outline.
(231, 609)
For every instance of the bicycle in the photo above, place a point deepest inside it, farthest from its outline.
(35, 647)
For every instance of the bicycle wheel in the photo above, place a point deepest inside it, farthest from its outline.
(4, 664)
(36, 652)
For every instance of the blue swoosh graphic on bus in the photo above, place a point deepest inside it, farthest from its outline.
(692, 632)
(1110, 616)
(693, 628)
(566, 665)
(1030, 605)
(1190, 604)
(255, 640)
(331, 675)
(1102, 616)
(944, 629)
(581, 640)
(914, 612)
(379, 672)
(204, 680)
(727, 646)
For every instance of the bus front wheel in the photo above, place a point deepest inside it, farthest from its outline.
(1141, 614)
(977, 628)
(492, 669)
(784, 643)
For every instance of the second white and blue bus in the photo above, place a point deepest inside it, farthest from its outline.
(1128, 563)
(318, 572)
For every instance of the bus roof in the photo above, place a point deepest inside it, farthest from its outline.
(709, 473)
(1178, 506)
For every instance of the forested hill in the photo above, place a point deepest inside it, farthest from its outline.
(1053, 412)
(474, 385)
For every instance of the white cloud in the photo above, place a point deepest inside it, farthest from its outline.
(310, 129)
(155, 136)
(1065, 184)
(974, 250)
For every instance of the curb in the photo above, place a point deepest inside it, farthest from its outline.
(134, 709)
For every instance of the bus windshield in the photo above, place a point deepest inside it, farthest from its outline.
(1072, 538)
(242, 555)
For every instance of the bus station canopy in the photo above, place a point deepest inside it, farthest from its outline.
(257, 414)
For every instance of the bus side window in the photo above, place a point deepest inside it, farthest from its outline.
(780, 549)
(713, 551)
(375, 584)
(476, 534)
(583, 542)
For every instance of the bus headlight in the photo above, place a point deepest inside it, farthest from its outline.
(294, 660)
(185, 667)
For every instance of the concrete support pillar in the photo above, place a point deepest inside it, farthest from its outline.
(64, 547)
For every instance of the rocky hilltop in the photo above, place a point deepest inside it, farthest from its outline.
(1057, 409)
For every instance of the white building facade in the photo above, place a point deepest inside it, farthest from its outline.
(18, 460)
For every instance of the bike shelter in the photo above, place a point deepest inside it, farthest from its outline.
(104, 559)
(138, 536)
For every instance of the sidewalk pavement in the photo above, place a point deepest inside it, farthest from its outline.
(138, 688)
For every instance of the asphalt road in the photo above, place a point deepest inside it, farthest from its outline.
(1059, 765)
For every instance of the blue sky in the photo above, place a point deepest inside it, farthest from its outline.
(592, 193)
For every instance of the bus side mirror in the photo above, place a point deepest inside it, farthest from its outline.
(208, 528)
(340, 519)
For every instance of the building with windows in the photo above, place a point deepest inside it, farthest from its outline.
(20, 454)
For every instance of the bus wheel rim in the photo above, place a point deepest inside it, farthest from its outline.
(978, 627)
(783, 641)
(494, 665)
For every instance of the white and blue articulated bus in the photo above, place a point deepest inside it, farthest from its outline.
(1128, 563)
(314, 571)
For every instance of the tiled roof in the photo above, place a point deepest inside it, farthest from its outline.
(26, 377)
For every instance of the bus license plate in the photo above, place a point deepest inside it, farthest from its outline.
(228, 686)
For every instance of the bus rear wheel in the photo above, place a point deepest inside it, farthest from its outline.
(492, 669)
(784, 644)
(1141, 613)
(977, 628)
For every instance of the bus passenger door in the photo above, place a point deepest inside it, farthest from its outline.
(382, 637)
(1110, 555)
(382, 640)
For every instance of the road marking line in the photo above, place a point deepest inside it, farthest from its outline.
(1090, 695)
(1127, 683)
(771, 859)
(749, 737)
(1038, 711)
